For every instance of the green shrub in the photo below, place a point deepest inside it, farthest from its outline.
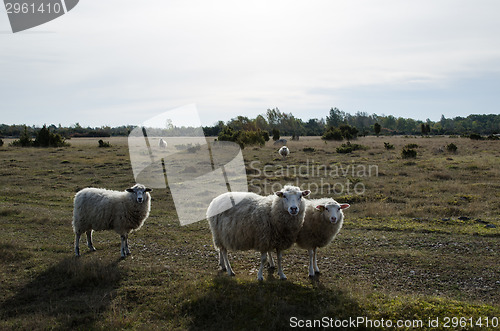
(45, 138)
(24, 140)
(348, 148)
(308, 149)
(451, 148)
(411, 146)
(333, 134)
(103, 144)
(492, 137)
(276, 134)
(388, 146)
(408, 153)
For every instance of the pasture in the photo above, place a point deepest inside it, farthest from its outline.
(419, 243)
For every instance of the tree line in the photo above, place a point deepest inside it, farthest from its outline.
(289, 125)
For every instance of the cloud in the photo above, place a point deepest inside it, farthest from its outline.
(232, 58)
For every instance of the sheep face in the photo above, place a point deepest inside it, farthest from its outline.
(332, 211)
(139, 191)
(292, 199)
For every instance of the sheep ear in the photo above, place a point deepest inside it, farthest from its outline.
(130, 190)
(320, 207)
(279, 193)
(306, 193)
(148, 189)
(345, 206)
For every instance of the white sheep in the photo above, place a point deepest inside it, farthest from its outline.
(162, 143)
(284, 152)
(323, 220)
(256, 222)
(100, 209)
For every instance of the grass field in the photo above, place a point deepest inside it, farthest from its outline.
(403, 253)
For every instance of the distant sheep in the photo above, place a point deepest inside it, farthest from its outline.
(162, 143)
(280, 141)
(323, 220)
(100, 209)
(256, 222)
(284, 152)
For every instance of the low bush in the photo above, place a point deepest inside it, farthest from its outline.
(451, 148)
(388, 146)
(349, 148)
(103, 143)
(408, 153)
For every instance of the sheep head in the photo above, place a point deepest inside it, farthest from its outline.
(291, 197)
(332, 211)
(139, 190)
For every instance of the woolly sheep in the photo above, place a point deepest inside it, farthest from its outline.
(162, 143)
(257, 222)
(323, 220)
(284, 152)
(100, 209)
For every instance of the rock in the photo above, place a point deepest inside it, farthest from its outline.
(445, 219)
(464, 218)
(481, 221)
(490, 226)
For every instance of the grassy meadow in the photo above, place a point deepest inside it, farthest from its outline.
(420, 242)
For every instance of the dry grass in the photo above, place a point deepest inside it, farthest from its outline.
(402, 254)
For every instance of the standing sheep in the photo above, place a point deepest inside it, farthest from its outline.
(162, 143)
(284, 152)
(99, 209)
(323, 220)
(256, 222)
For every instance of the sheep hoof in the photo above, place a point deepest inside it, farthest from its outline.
(260, 279)
(92, 249)
(317, 272)
(311, 276)
(232, 274)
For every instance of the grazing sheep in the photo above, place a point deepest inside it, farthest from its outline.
(256, 222)
(323, 220)
(284, 152)
(101, 209)
(162, 143)
(280, 141)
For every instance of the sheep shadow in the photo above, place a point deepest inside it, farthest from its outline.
(233, 304)
(72, 294)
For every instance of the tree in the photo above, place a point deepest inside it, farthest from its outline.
(377, 128)
(276, 134)
(335, 118)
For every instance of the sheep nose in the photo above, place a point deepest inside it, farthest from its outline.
(333, 219)
(293, 210)
(139, 200)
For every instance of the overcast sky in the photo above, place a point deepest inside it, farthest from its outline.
(118, 62)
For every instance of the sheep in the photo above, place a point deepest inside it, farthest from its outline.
(256, 222)
(100, 209)
(284, 152)
(280, 141)
(323, 220)
(162, 143)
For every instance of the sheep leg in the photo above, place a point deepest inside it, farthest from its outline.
(311, 262)
(222, 264)
(263, 259)
(226, 260)
(316, 269)
(77, 244)
(280, 269)
(122, 248)
(270, 260)
(89, 240)
(127, 250)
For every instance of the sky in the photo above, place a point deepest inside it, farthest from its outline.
(120, 62)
